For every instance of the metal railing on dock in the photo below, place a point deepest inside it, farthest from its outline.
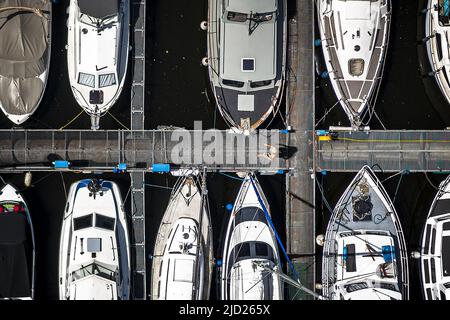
(391, 150)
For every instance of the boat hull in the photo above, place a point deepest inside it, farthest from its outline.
(364, 223)
(355, 61)
(98, 56)
(25, 78)
(265, 101)
(169, 280)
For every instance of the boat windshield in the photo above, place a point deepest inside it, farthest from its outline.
(94, 269)
(254, 18)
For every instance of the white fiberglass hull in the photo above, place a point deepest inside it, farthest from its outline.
(250, 241)
(365, 255)
(97, 60)
(435, 248)
(103, 245)
(355, 37)
(182, 259)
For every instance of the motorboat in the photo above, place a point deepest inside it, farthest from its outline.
(17, 246)
(251, 264)
(183, 254)
(364, 254)
(94, 257)
(25, 45)
(437, 27)
(354, 37)
(247, 59)
(97, 53)
(435, 249)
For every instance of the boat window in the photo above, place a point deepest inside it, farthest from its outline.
(86, 79)
(233, 83)
(262, 17)
(82, 222)
(427, 239)
(433, 271)
(261, 249)
(106, 80)
(429, 295)
(94, 269)
(258, 84)
(446, 226)
(426, 268)
(243, 249)
(104, 222)
(356, 67)
(355, 286)
(236, 16)
(388, 286)
(433, 240)
(445, 256)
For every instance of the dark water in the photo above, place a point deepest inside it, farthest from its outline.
(177, 93)
(408, 99)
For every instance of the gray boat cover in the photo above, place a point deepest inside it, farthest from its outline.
(99, 8)
(24, 49)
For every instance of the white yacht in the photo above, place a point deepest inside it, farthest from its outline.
(250, 253)
(97, 53)
(435, 250)
(94, 258)
(183, 255)
(355, 36)
(17, 249)
(437, 27)
(25, 45)
(247, 59)
(364, 254)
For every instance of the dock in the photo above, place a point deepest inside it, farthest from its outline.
(300, 183)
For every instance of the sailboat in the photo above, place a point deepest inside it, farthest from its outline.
(97, 53)
(25, 45)
(437, 26)
(250, 254)
(364, 254)
(435, 249)
(355, 37)
(17, 248)
(94, 257)
(247, 59)
(183, 255)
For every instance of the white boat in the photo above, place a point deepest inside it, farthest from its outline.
(94, 257)
(17, 248)
(247, 59)
(250, 253)
(183, 255)
(435, 249)
(364, 254)
(355, 37)
(97, 53)
(25, 45)
(437, 27)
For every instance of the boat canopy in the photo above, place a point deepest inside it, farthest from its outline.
(99, 8)
(14, 274)
(23, 47)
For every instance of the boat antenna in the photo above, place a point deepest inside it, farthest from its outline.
(195, 283)
(296, 282)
